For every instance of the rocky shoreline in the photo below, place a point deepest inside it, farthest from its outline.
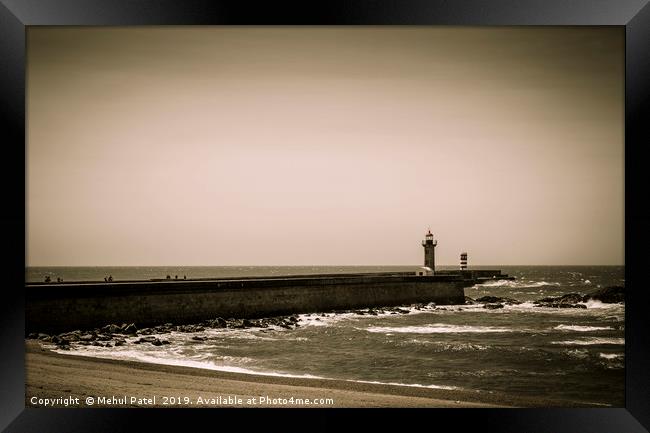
(113, 335)
(606, 295)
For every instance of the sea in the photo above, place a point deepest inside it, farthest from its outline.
(568, 357)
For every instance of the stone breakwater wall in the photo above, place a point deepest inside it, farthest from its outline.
(58, 308)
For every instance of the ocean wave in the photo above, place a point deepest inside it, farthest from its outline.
(271, 333)
(134, 355)
(436, 328)
(577, 353)
(579, 328)
(591, 341)
(593, 303)
(446, 347)
(611, 355)
(416, 385)
(325, 319)
(515, 284)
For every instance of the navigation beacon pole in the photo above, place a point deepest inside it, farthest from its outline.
(429, 251)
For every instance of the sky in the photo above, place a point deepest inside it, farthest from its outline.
(324, 145)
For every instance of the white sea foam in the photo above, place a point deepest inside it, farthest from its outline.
(265, 334)
(592, 303)
(436, 328)
(591, 341)
(579, 328)
(134, 355)
(160, 358)
(326, 319)
(578, 353)
(515, 284)
(416, 385)
(611, 355)
(453, 347)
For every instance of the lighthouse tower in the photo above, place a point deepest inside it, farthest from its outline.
(429, 251)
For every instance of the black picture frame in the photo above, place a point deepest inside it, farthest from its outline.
(634, 15)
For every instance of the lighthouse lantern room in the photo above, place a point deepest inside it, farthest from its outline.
(429, 245)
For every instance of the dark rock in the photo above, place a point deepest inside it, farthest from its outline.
(165, 342)
(70, 336)
(559, 305)
(493, 306)
(130, 329)
(111, 329)
(497, 300)
(32, 335)
(570, 300)
(469, 300)
(162, 329)
(608, 295)
(42, 336)
(198, 338)
(237, 323)
(249, 323)
(157, 342)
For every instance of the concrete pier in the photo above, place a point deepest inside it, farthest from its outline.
(69, 306)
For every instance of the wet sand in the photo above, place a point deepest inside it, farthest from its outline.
(51, 375)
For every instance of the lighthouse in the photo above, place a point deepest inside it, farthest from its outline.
(429, 250)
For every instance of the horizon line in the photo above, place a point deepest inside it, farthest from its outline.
(309, 265)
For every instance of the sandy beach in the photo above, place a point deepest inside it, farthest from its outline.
(61, 379)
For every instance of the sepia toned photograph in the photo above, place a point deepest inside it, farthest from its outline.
(300, 217)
